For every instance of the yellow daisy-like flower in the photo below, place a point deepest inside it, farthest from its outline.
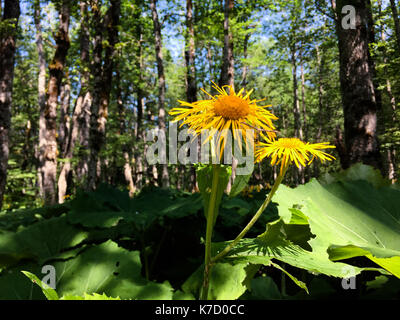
(235, 112)
(285, 151)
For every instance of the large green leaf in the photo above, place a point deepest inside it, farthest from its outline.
(40, 241)
(107, 206)
(274, 244)
(102, 269)
(14, 285)
(108, 269)
(227, 281)
(349, 219)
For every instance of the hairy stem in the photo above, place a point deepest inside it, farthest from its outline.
(254, 219)
(210, 224)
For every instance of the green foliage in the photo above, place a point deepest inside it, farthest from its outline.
(148, 246)
(349, 218)
(205, 180)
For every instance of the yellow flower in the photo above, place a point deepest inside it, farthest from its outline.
(285, 151)
(235, 112)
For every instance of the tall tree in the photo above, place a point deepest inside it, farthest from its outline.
(80, 121)
(48, 151)
(357, 87)
(8, 26)
(395, 15)
(191, 88)
(41, 83)
(103, 71)
(228, 62)
(161, 83)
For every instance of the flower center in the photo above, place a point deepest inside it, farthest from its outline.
(290, 143)
(231, 107)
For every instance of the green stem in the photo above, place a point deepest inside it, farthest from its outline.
(254, 219)
(210, 224)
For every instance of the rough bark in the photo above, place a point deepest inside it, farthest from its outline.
(64, 127)
(245, 67)
(127, 169)
(103, 80)
(357, 89)
(304, 113)
(48, 151)
(79, 126)
(161, 83)
(296, 103)
(227, 68)
(140, 109)
(41, 84)
(391, 152)
(10, 18)
(395, 15)
(191, 88)
(320, 71)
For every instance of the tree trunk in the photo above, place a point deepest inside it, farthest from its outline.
(304, 112)
(79, 127)
(227, 69)
(391, 152)
(191, 88)
(103, 79)
(7, 50)
(64, 127)
(395, 14)
(161, 84)
(48, 141)
(298, 133)
(41, 85)
(320, 71)
(245, 67)
(357, 89)
(127, 169)
(140, 110)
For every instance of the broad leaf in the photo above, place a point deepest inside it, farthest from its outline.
(349, 219)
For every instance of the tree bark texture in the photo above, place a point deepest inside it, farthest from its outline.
(10, 18)
(102, 82)
(227, 69)
(48, 150)
(79, 126)
(161, 83)
(357, 89)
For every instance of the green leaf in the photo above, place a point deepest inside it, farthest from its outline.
(239, 184)
(226, 281)
(40, 241)
(274, 244)
(356, 172)
(108, 269)
(15, 286)
(105, 207)
(349, 219)
(264, 288)
(49, 292)
(93, 296)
